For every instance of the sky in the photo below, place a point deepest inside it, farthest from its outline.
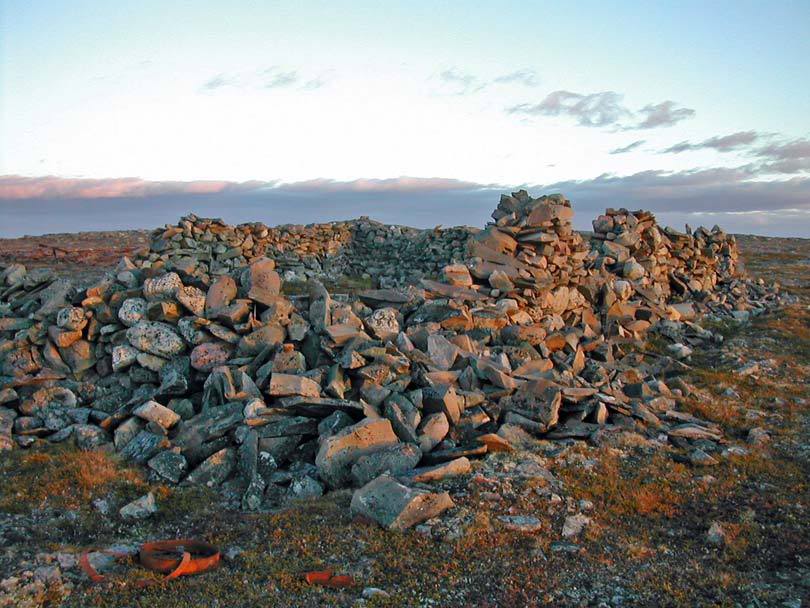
(122, 115)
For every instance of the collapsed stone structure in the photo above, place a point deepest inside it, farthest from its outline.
(190, 360)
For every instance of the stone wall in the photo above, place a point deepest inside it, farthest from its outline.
(391, 255)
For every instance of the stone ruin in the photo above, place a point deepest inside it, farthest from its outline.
(191, 361)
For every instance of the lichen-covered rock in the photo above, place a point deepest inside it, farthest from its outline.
(123, 355)
(156, 338)
(383, 323)
(152, 411)
(132, 311)
(79, 356)
(193, 299)
(205, 357)
(71, 318)
(214, 470)
(163, 287)
(170, 465)
(285, 385)
(394, 460)
(140, 508)
(256, 341)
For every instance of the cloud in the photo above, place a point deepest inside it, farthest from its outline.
(792, 156)
(525, 77)
(629, 147)
(725, 143)
(462, 83)
(274, 77)
(664, 114)
(777, 156)
(593, 110)
(789, 150)
(17, 187)
(718, 189)
(313, 83)
(604, 109)
(692, 191)
(217, 82)
(396, 184)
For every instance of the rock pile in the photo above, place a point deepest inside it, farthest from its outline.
(193, 363)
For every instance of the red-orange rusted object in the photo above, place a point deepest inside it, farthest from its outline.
(178, 557)
(341, 581)
(327, 578)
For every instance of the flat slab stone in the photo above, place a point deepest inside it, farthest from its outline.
(144, 446)
(451, 468)
(169, 465)
(384, 297)
(285, 385)
(323, 406)
(215, 469)
(152, 411)
(262, 281)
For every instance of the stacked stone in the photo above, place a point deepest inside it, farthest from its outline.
(203, 248)
(531, 254)
(392, 255)
(312, 251)
(705, 259)
(649, 273)
(662, 262)
(399, 255)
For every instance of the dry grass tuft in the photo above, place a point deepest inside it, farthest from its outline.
(64, 477)
(624, 490)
